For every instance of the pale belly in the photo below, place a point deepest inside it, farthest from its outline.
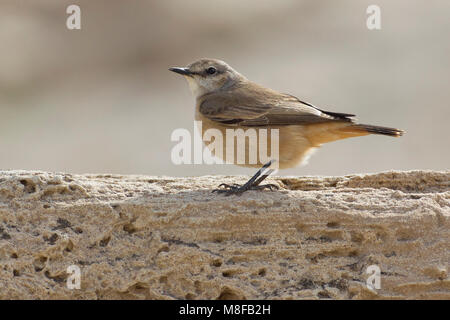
(291, 148)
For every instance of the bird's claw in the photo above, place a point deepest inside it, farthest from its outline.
(229, 189)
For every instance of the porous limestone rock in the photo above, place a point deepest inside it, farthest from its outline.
(139, 237)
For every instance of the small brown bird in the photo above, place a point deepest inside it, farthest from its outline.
(227, 100)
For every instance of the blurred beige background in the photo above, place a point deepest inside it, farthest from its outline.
(101, 99)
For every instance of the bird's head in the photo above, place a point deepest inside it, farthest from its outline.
(209, 75)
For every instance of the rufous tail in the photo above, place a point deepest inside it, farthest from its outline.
(378, 130)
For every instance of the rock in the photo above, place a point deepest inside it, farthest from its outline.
(139, 237)
(436, 272)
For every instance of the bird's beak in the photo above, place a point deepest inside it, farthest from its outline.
(183, 71)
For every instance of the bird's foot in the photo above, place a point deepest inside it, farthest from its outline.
(229, 189)
(252, 184)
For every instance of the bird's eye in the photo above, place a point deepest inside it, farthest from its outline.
(211, 70)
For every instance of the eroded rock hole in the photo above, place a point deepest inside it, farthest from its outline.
(28, 186)
(39, 263)
(229, 294)
(104, 242)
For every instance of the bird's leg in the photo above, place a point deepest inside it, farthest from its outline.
(252, 184)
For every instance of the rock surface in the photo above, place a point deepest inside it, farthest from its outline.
(138, 237)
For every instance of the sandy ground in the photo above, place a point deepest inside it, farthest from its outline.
(142, 237)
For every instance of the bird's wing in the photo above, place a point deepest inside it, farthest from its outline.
(263, 108)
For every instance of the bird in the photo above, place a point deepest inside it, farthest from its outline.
(225, 99)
